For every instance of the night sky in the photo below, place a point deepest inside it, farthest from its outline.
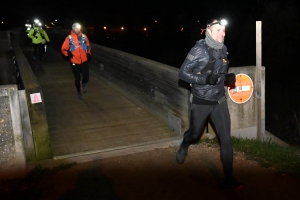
(171, 15)
(118, 11)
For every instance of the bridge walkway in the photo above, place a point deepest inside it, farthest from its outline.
(103, 121)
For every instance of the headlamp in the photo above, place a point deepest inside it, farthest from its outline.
(76, 25)
(222, 22)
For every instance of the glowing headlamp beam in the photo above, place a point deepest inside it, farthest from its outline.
(222, 22)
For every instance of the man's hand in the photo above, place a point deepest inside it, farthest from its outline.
(230, 78)
(212, 79)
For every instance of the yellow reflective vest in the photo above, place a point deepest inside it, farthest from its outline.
(38, 35)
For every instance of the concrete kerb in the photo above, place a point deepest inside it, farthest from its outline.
(90, 156)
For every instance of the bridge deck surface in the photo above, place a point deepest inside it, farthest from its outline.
(103, 120)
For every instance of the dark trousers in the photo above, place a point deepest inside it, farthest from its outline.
(220, 117)
(78, 71)
(38, 50)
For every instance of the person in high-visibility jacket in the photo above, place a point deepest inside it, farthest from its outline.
(39, 39)
(77, 47)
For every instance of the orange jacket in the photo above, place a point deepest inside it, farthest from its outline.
(79, 54)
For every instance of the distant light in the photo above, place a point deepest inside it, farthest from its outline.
(145, 29)
(2, 22)
(181, 29)
(122, 28)
(198, 21)
(155, 21)
(56, 20)
(104, 27)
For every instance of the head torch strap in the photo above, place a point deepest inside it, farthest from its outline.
(222, 22)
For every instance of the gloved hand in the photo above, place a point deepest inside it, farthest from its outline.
(230, 78)
(212, 79)
(70, 55)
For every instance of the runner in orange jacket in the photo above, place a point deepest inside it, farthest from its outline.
(77, 47)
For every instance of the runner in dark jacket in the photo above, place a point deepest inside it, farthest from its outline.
(205, 68)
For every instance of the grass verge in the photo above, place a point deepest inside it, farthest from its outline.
(268, 154)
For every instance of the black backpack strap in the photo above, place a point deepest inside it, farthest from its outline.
(209, 67)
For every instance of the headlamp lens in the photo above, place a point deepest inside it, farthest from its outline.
(223, 22)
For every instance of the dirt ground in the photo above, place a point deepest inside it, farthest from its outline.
(156, 175)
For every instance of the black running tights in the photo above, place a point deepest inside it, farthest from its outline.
(82, 69)
(220, 117)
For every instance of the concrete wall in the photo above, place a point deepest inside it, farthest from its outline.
(12, 162)
(37, 113)
(26, 127)
(244, 115)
